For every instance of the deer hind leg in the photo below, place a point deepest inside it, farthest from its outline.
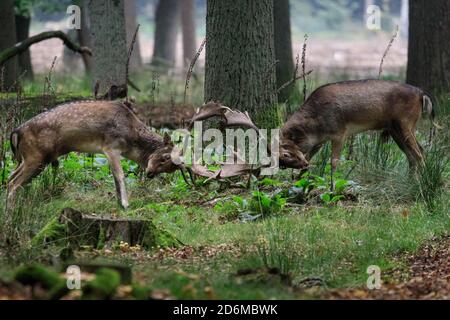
(119, 176)
(405, 139)
(26, 171)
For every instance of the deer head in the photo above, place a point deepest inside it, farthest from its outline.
(160, 161)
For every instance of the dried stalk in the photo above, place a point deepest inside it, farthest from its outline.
(380, 71)
(191, 68)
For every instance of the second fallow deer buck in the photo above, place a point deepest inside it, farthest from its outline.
(111, 128)
(336, 111)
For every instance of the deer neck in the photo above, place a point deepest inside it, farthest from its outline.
(144, 146)
(300, 132)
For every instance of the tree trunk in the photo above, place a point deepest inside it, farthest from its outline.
(131, 25)
(166, 17)
(429, 45)
(22, 33)
(109, 44)
(188, 31)
(283, 47)
(7, 40)
(84, 36)
(240, 58)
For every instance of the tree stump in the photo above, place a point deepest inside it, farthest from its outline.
(74, 229)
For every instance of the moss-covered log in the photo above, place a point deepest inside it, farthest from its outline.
(73, 228)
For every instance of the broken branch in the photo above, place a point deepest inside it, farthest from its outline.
(22, 46)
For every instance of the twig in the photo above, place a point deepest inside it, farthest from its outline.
(293, 80)
(380, 71)
(304, 67)
(127, 67)
(191, 68)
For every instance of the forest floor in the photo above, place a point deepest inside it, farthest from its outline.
(427, 276)
(283, 237)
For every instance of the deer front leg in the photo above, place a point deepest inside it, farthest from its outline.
(119, 177)
(336, 148)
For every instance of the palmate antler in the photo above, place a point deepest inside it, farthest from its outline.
(230, 118)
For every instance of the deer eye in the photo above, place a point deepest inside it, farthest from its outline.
(286, 155)
(166, 157)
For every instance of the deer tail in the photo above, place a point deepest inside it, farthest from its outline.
(428, 108)
(14, 140)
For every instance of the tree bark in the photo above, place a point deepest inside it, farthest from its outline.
(22, 33)
(8, 39)
(166, 17)
(84, 35)
(240, 58)
(283, 47)
(131, 25)
(429, 45)
(188, 31)
(109, 44)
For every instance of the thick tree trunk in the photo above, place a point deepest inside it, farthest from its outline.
(84, 35)
(130, 25)
(283, 47)
(109, 44)
(166, 25)
(240, 58)
(188, 30)
(429, 45)
(22, 33)
(7, 40)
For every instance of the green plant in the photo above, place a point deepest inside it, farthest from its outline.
(265, 204)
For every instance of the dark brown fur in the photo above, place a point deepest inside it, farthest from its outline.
(105, 127)
(335, 111)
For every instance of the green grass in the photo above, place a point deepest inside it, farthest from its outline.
(394, 213)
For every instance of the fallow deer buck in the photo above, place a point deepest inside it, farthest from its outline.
(336, 111)
(111, 128)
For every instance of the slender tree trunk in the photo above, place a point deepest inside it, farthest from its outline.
(22, 33)
(109, 47)
(429, 45)
(84, 35)
(131, 25)
(166, 17)
(240, 58)
(7, 40)
(283, 47)
(188, 30)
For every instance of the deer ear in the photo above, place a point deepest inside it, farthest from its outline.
(167, 139)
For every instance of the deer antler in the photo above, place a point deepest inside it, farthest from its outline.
(208, 110)
(230, 118)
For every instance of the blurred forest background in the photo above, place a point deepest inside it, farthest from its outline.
(339, 41)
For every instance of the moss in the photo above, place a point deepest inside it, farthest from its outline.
(154, 237)
(103, 286)
(53, 231)
(48, 279)
(140, 293)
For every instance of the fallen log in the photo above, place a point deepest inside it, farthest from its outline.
(74, 229)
